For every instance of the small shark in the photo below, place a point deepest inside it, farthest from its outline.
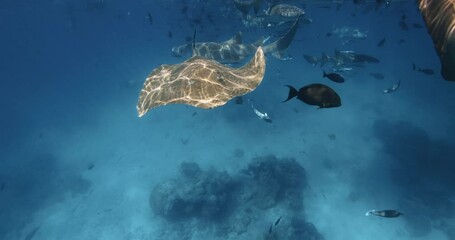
(234, 51)
(230, 51)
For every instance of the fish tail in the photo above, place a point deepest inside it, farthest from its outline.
(292, 93)
(324, 74)
(413, 66)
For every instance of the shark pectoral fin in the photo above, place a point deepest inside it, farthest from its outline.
(277, 54)
(280, 55)
(259, 42)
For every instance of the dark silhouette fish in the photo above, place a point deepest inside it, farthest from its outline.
(378, 76)
(363, 58)
(277, 221)
(150, 17)
(381, 43)
(384, 213)
(334, 77)
(315, 94)
(426, 71)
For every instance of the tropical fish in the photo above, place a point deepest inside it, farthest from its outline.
(363, 58)
(334, 77)
(426, 71)
(277, 221)
(393, 88)
(315, 94)
(150, 17)
(261, 115)
(384, 213)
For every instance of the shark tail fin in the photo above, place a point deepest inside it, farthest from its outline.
(292, 93)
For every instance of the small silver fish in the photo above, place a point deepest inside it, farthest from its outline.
(264, 116)
(393, 88)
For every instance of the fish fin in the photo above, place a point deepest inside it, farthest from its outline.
(236, 39)
(193, 43)
(259, 42)
(324, 74)
(292, 93)
(278, 55)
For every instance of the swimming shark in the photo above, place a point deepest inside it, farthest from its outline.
(230, 51)
(234, 51)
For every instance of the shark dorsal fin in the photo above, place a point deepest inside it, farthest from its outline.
(193, 43)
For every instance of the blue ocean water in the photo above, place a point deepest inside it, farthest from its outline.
(78, 163)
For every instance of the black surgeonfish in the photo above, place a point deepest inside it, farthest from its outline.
(363, 58)
(315, 94)
(334, 77)
(384, 213)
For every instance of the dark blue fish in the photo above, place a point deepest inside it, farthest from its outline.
(333, 76)
(315, 94)
(277, 221)
(426, 71)
(384, 213)
(150, 17)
